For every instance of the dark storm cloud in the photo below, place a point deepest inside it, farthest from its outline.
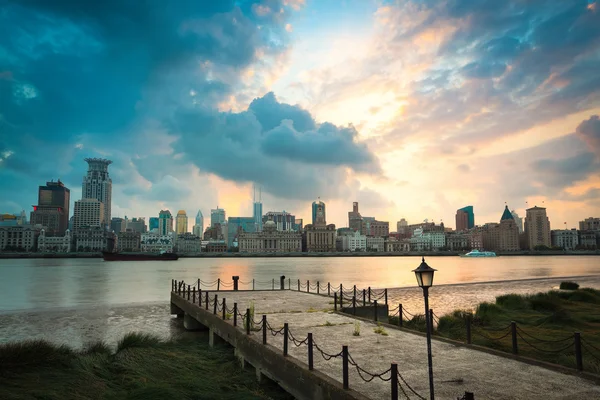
(564, 172)
(589, 132)
(290, 155)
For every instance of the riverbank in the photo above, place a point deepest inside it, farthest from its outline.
(141, 367)
(546, 323)
(317, 255)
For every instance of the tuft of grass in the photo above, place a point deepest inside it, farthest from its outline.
(417, 323)
(15, 357)
(356, 329)
(569, 285)
(136, 339)
(511, 301)
(327, 323)
(97, 348)
(380, 330)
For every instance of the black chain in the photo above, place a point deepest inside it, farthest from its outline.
(544, 340)
(409, 387)
(483, 335)
(297, 342)
(544, 350)
(371, 375)
(325, 355)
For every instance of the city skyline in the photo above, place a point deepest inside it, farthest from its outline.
(412, 109)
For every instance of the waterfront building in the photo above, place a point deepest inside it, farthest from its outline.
(94, 238)
(98, 185)
(181, 222)
(298, 224)
(377, 228)
(54, 244)
(458, 241)
(165, 222)
(188, 243)
(375, 243)
(318, 207)
(129, 240)
(518, 221)
(425, 226)
(88, 212)
(217, 216)
(470, 217)
(475, 236)
(153, 223)
(393, 245)
(402, 227)
(537, 227)
(354, 218)
(136, 224)
(567, 239)
(589, 240)
(270, 240)
(198, 228)
(503, 236)
(215, 246)
(590, 224)
(117, 224)
(257, 209)
(283, 220)
(353, 240)
(18, 238)
(155, 243)
(237, 225)
(462, 221)
(423, 240)
(52, 209)
(320, 237)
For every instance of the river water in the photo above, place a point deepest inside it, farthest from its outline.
(75, 301)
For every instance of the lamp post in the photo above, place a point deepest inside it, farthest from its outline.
(424, 274)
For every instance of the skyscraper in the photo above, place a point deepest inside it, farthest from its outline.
(257, 210)
(181, 222)
(52, 210)
(537, 227)
(98, 185)
(318, 209)
(153, 223)
(470, 217)
(217, 216)
(402, 226)
(462, 221)
(165, 222)
(88, 213)
(354, 218)
(518, 220)
(198, 229)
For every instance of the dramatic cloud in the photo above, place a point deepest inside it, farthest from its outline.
(589, 131)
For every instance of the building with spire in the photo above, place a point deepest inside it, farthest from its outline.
(217, 216)
(198, 228)
(98, 185)
(181, 222)
(503, 236)
(257, 209)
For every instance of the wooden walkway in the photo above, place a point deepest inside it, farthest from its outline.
(457, 369)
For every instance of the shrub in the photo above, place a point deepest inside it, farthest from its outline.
(486, 313)
(136, 339)
(511, 301)
(584, 296)
(568, 285)
(544, 302)
(417, 322)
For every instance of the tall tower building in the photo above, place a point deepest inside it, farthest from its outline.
(257, 209)
(181, 222)
(354, 218)
(537, 227)
(88, 213)
(165, 222)
(52, 210)
(198, 229)
(217, 216)
(470, 218)
(518, 220)
(153, 223)
(98, 185)
(318, 207)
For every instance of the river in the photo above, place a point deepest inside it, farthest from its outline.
(78, 300)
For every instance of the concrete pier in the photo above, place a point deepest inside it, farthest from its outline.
(456, 368)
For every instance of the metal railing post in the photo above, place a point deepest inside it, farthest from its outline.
(307, 286)
(224, 309)
(189, 290)
(248, 321)
(318, 284)
(194, 296)
(515, 347)
(375, 308)
(215, 305)
(400, 314)
(206, 300)
(354, 305)
(394, 381)
(369, 294)
(285, 339)
(310, 352)
(264, 328)
(218, 284)
(385, 293)
(328, 289)
(364, 297)
(345, 366)
(235, 313)
(334, 301)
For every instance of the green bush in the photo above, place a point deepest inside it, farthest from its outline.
(568, 285)
(511, 301)
(486, 313)
(544, 302)
(417, 322)
(97, 348)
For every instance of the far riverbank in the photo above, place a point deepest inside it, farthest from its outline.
(332, 254)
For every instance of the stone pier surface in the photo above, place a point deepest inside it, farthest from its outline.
(456, 368)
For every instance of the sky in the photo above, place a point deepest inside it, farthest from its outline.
(413, 108)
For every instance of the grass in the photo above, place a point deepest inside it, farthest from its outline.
(549, 316)
(356, 329)
(142, 367)
(380, 330)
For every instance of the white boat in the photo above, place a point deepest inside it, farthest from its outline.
(477, 253)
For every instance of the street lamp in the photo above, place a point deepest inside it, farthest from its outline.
(424, 276)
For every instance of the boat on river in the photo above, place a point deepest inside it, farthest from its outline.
(162, 256)
(477, 253)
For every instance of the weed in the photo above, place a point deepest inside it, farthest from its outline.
(356, 329)
(380, 330)
(327, 323)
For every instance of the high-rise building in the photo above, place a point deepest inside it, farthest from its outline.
(470, 217)
(181, 222)
(52, 210)
(136, 224)
(98, 185)
(402, 227)
(198, 228)
(117, 224)
(257, 209)
(217, 216)
(518, 220)
(537, 227)
(318, 207)
(235, 226)
(503, 236)
(88, 213)
(354, 218)
(165, 222)
(284, 221)
(462, 221)
(153, 223)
